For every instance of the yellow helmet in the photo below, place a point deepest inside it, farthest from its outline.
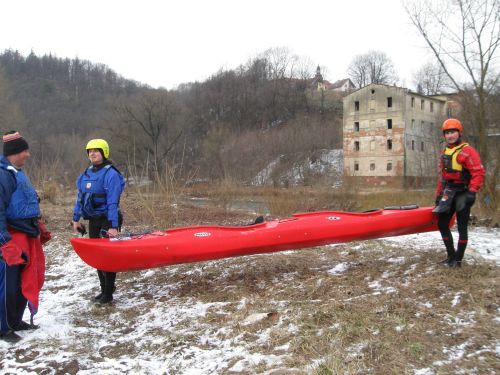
(99, 144)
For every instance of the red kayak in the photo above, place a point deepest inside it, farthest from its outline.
(200, 243)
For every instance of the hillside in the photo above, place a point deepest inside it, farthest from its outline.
(228, 126)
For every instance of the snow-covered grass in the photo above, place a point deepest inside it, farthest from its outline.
(380, 306)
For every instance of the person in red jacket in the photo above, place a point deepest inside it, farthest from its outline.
(461, 177)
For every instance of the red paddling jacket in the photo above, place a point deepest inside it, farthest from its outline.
(460, 166)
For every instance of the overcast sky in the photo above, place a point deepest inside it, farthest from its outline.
(165, 43)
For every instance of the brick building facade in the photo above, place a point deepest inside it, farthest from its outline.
(391, 135)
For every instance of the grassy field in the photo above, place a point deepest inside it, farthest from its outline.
(372, 307)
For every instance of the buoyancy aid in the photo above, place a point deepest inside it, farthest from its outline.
(452, 171)
(94, 194)
(24, 201)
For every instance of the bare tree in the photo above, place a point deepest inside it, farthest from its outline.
(431, 79)
(281, 63)
(372, 67)
(464, 36)
(11, 116)
(153, 113)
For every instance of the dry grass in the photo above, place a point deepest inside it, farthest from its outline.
(342, 321)
(378, 317)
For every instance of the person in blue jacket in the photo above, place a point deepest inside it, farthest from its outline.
(22, 261)
(99, 189)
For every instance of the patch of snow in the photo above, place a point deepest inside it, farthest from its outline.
(424, 371)
(323, 163)
(456, 352)
(483, 243)
(466, 319)
(398, 260)
(254, 318)
(379, 289)
(339, 268)
(356, 350)
(456, 300)
(254, 360)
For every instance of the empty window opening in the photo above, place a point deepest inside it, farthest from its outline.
(422, 104)
(412, 102)
(389, 123)
(432, 107)
(356, 146)
(356, 126)
(373, 91)
(389, 102)
(372, 166)
(389, 166)
(356, 105)
(389, 144)
(356, 166)
(413, 145)
(421, 146)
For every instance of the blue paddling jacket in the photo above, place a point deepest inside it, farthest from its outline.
(19, 206)
(99, 191)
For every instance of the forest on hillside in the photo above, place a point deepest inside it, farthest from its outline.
(227, 127)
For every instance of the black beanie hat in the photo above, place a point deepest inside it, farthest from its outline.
(13, 143)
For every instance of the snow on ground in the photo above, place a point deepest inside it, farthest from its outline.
(325, 162)
(70, 283)
(484, 243)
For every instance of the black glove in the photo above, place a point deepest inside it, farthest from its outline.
(438, 199)
(470, 198)
(82, 230)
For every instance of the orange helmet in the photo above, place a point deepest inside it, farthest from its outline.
(453, 123)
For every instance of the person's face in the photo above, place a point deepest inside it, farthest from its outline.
(95, 156)
(18, 160)
(451, 136)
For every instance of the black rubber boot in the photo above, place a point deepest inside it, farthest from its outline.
(462, 245)
(109, 288)
(450, 251)
(10, 336)
(105, 299)
(446, 261)
(24, 326)
(102, 282)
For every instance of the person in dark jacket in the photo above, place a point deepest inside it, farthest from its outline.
(22, 261)
(99, 189)
(461, 177)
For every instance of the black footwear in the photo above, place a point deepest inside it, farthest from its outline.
(445, 261)
(105, 299)
(23, 326)
(10, 337)
(453, 264)
(100, 295)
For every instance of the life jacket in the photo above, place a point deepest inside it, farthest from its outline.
(93, 197)
(452, 171)
(24, 201)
